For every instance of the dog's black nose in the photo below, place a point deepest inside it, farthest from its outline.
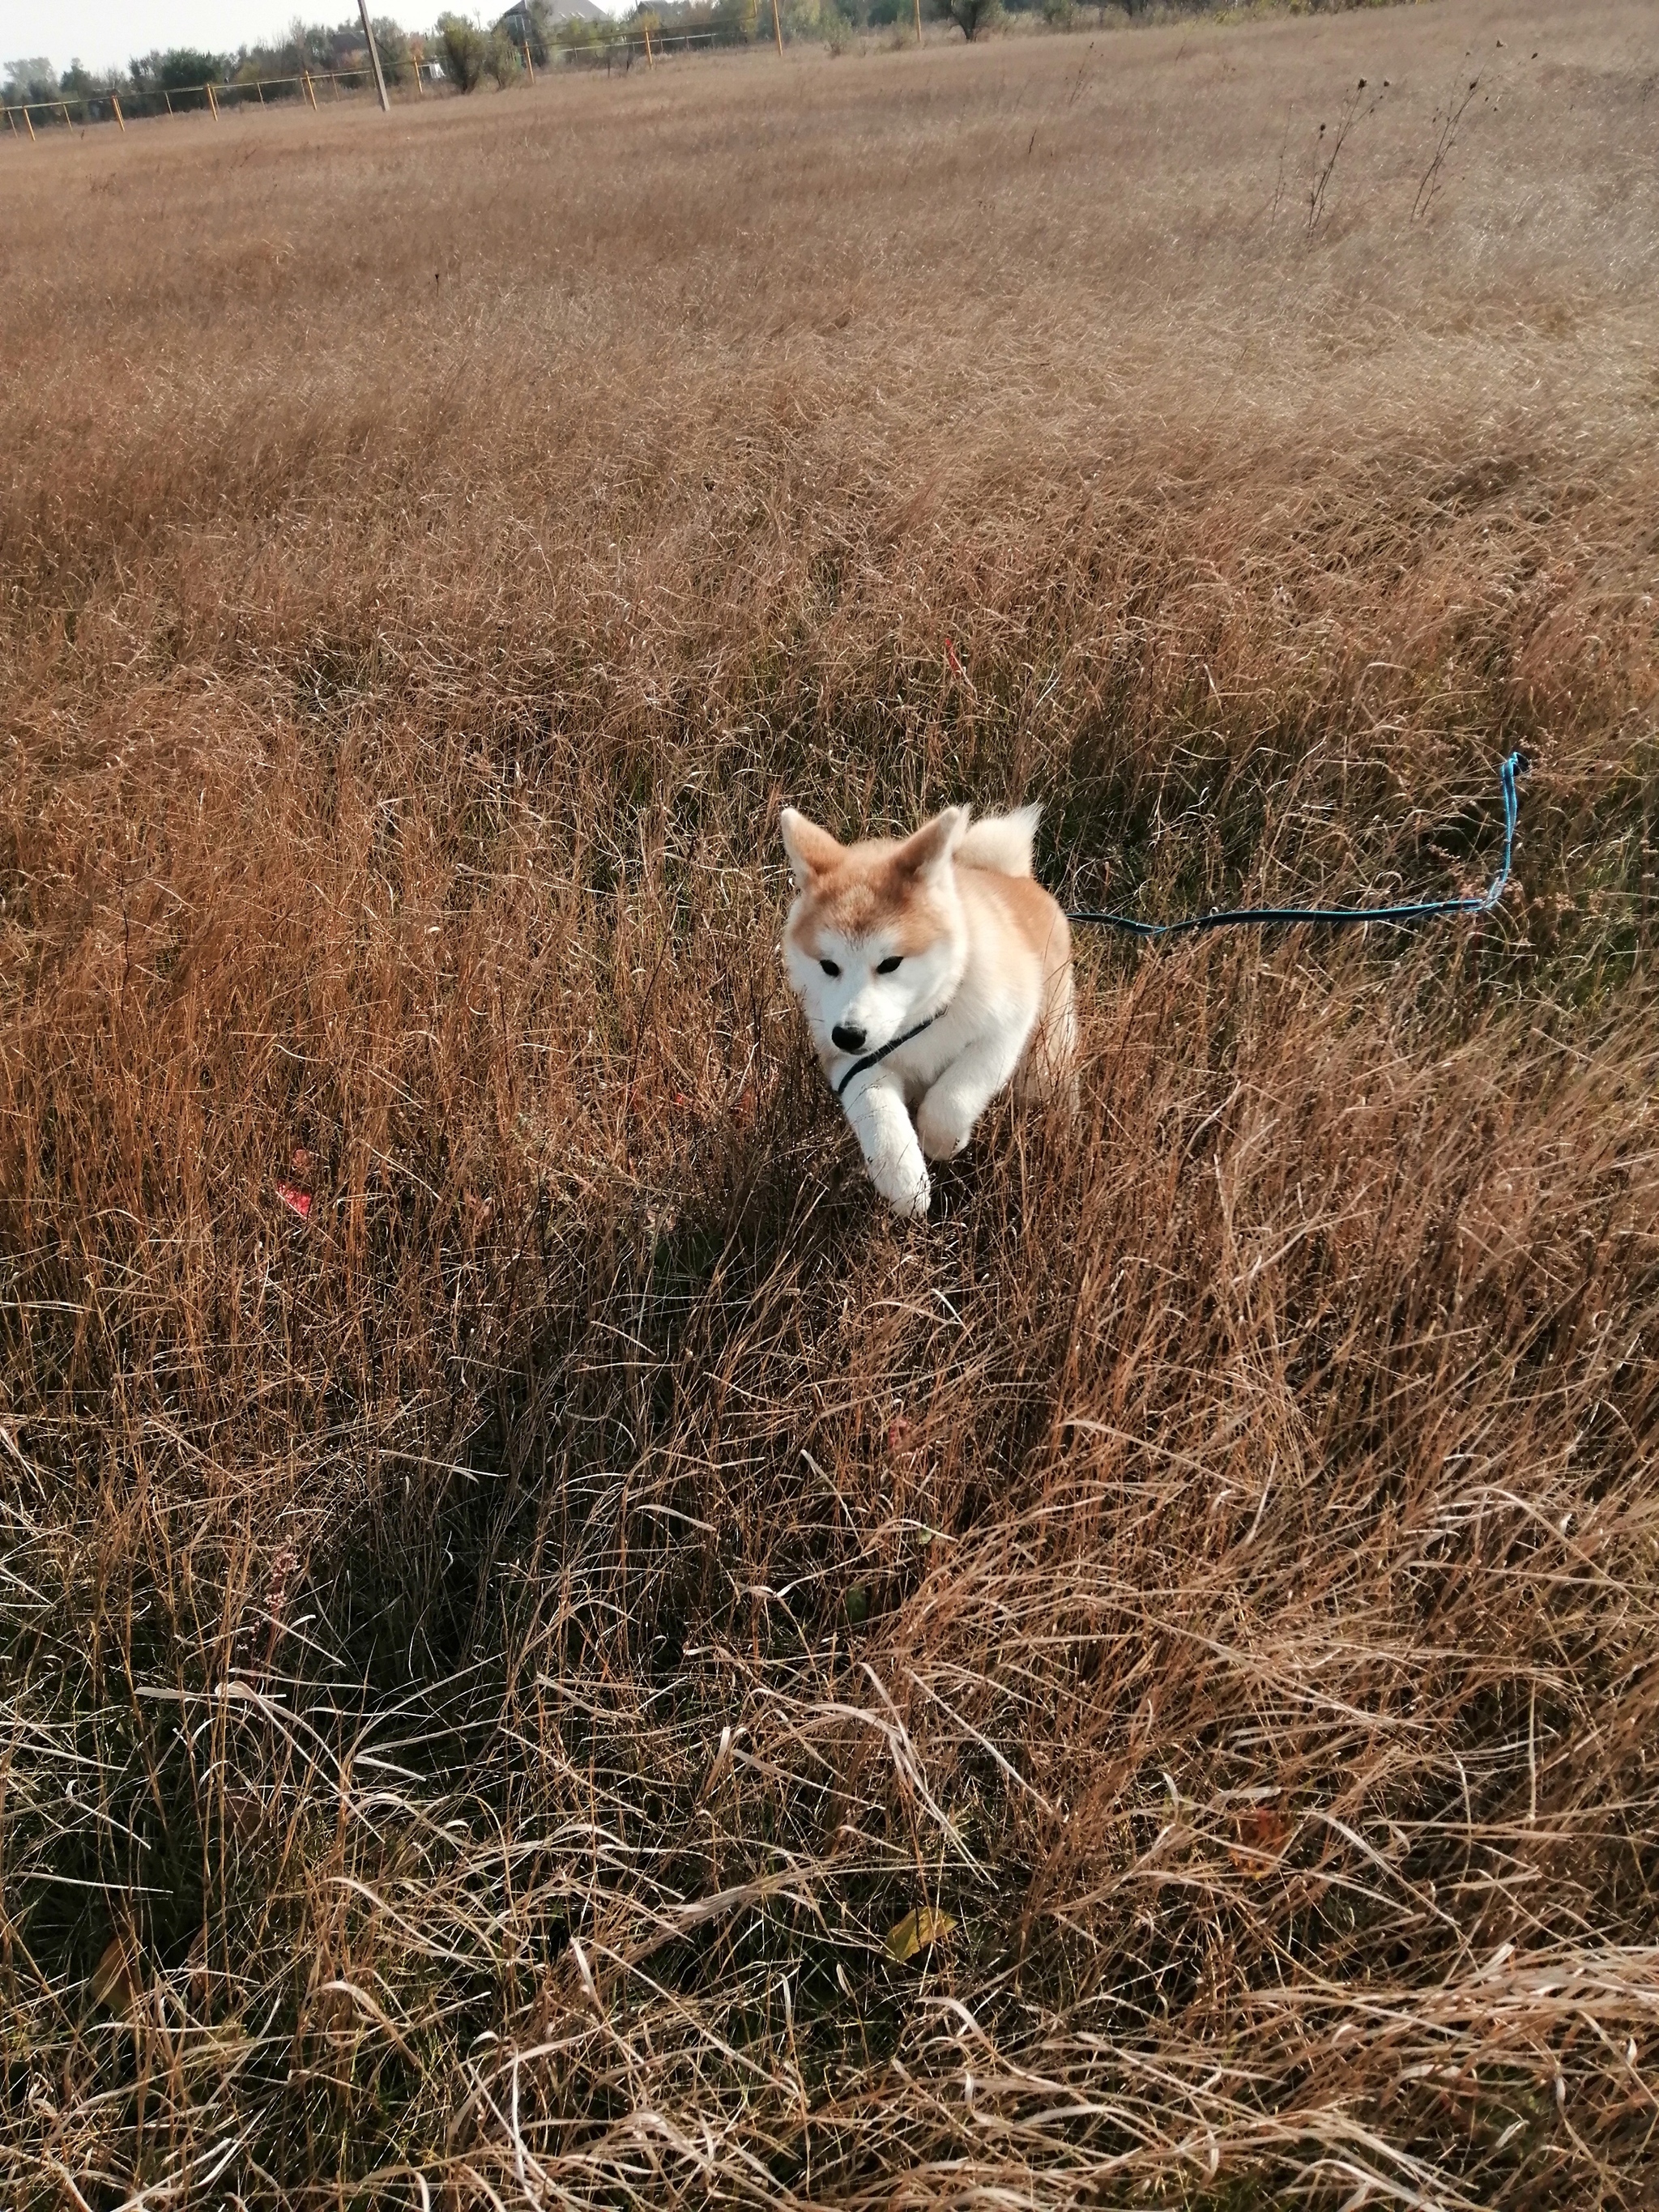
(846, 1038)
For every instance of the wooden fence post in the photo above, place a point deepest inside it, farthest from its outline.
(650, 58)
(918, 22)
(115, 102)
(777, 28)
(29, 119)
(212, 103)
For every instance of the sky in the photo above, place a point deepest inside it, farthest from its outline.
(107, 33)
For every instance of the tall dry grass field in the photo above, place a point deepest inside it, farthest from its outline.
(489, 1654)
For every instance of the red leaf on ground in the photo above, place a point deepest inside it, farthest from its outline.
(297, 1201)
(1263, 1832)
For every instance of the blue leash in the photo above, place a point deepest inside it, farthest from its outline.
(1340, 916)
(1337, 916)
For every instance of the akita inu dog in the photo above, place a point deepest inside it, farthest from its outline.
(933, 971)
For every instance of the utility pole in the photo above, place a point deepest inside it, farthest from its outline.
(374, 56)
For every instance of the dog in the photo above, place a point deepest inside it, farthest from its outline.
(934, 972)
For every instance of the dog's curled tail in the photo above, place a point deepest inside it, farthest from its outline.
(1001, 842)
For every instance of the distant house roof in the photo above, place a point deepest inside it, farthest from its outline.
(527, 24)
(532, 21)
(520, 20)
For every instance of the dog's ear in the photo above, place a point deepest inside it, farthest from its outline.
(929, 851)
(812, 852)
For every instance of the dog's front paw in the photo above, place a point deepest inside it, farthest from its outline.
(903, 1182)
(940, 1131)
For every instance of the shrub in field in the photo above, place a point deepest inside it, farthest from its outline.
(503, 60)
(817, 19)
(464, 51)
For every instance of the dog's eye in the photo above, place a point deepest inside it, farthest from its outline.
(829, 967)
(886, 967)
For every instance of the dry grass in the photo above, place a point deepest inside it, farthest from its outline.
(486, 1665)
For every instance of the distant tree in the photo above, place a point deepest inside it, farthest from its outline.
(305, 47)
(316, 46)
(393, 40)
(187, 65)
(464, 51)
(31, 80)
(311, 44)
(180, 69)
(578, 32)
(739, 18)
(973, 18)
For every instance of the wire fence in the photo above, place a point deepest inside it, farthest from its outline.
(312, 87)
(631, 46)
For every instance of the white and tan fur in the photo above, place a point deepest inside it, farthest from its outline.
(968, 939)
